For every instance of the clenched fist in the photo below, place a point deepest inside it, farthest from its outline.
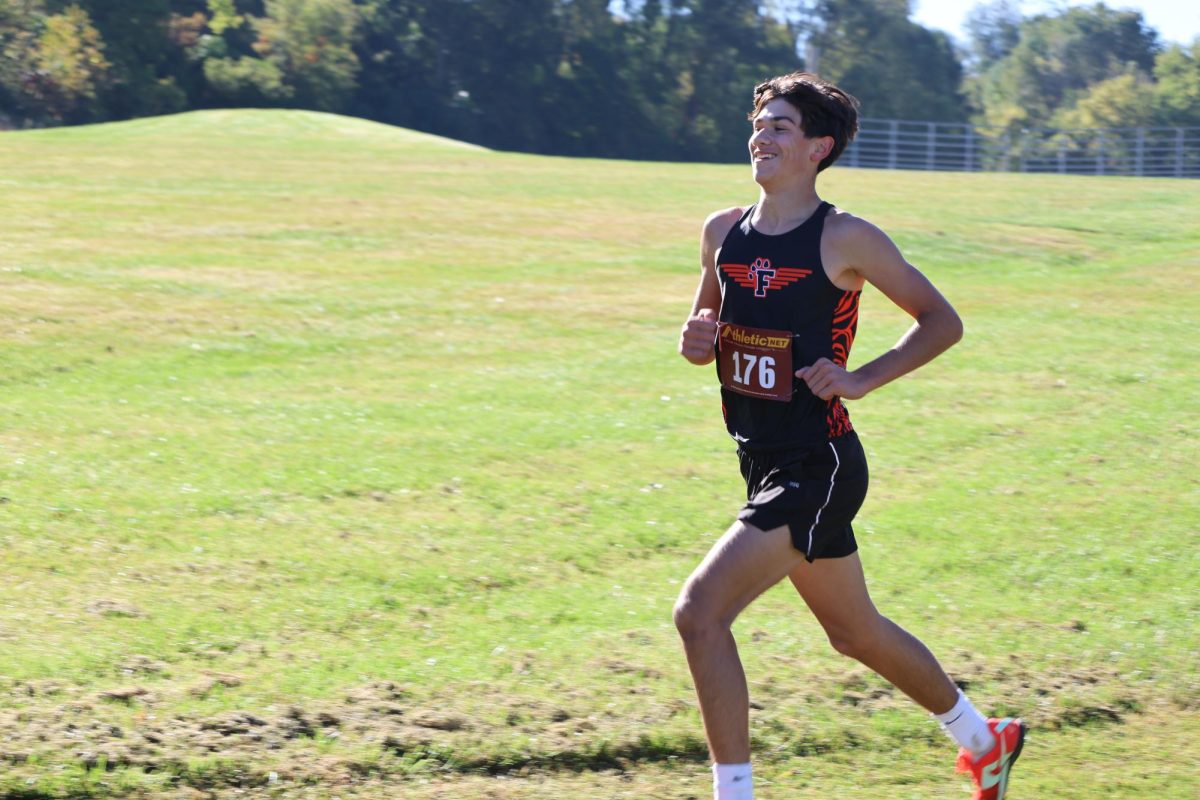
(827, 380)
(698, 338)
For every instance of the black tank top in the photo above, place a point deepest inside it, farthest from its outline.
(779, 282)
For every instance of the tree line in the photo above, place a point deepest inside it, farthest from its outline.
(649, 79)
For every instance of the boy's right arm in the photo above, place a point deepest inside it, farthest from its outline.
(696, 341)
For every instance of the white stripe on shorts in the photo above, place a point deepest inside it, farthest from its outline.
(837, 462)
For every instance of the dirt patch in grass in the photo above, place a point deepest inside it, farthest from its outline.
(377, 725)
(380, 731)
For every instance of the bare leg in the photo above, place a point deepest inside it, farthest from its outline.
(743, 564)
(836, 591)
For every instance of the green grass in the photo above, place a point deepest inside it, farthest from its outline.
(300, 408)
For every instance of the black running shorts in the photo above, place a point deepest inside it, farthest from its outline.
(815, 491)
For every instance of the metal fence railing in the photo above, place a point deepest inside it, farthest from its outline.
(1144, 152)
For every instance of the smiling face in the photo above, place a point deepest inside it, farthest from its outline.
(779, 147)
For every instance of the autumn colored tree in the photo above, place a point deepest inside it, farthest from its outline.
(52, 65)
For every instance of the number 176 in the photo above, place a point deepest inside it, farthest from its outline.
(743, 369)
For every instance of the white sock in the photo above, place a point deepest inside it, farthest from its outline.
(732, 782)
(967, 726)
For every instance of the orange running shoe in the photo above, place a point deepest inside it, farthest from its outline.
(990, 772)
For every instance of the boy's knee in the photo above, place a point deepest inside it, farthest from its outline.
(846, 645)
(685, 615)
(855, 641)
(693, 617)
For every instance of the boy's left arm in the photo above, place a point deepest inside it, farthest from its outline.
(872, 255)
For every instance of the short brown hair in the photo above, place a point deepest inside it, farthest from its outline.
(825, 110)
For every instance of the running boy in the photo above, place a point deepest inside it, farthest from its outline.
(777, 308)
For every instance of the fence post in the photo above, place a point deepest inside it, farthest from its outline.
(929, 145)
(1100, 152)
(1062, 155)
(1139, 152)
(1179, 152)
(893, 134)
(969, 153)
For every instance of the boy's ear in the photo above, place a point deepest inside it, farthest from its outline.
(824, 148)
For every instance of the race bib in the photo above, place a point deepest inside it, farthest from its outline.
(756, 362)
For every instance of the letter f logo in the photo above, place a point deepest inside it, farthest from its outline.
(762, 273)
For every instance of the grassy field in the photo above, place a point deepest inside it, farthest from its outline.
(342, 461)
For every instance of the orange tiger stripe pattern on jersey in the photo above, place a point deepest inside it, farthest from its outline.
(845, 323)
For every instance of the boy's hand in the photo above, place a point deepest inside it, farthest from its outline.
(697, 340)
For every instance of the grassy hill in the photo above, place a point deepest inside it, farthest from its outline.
(338, 459)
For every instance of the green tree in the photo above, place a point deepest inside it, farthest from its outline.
(18, 22)
(224, 16)
(993, 30)
(1058, 57)
(504, 57)
(232, 72)
(246, 81)
(894, 67)
(407, 75)
(1101, 123)
(1177, 88)
(144, 61)
(51, 65)
(721, 50)
(311, 43)
(661, 80)
(1124, 101)
(599, 86)
(68, 60)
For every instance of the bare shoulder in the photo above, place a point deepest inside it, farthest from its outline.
(852, 233)
(853, 243)
(855, 250)
(719, 223)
